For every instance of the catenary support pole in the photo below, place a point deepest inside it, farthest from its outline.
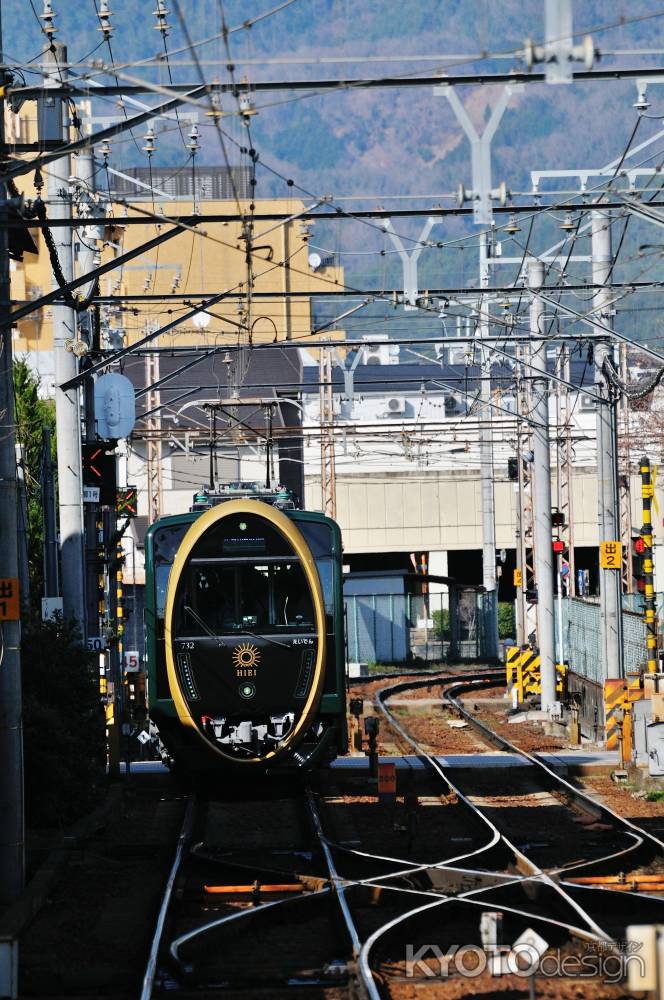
(542, 495)
(88, 258)
(607, 462)
(12, 855)
(486, 473)
(50, 517)
(521, 585)
(23, 557)
(67, 405)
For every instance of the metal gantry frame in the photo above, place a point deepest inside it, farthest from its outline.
(564, 470)
(625, 479)
(328, 482)
(153, 442)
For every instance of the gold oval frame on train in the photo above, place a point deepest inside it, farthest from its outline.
(294, 536)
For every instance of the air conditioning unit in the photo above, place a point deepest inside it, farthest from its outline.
(452, 405)
(396, 404)
(380, 354)
(372, 355)
(457, 355)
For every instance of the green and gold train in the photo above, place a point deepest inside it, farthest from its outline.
(245, 633)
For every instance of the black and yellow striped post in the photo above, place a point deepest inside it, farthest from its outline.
(647, 493)
(512, 658)
(120, 605)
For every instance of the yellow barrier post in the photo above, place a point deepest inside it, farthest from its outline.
(647, 494)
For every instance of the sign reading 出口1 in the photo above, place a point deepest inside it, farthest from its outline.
(9, 605)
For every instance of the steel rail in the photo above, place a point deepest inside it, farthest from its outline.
(524, 863)
(183, 838)
(338, 884)
(467, 897)
(253, 911)
(581, 799)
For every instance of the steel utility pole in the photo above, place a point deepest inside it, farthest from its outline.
(88, 259)
(50, 518)
(542, 494)
(486, 470)
(12, 855)
(607, 462)
(67, 406)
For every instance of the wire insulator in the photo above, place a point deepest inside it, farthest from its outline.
(193, 145)
(48, 17)
(149, 146)
(105, 14)
(161, 13)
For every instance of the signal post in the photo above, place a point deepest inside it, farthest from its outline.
(649, 616)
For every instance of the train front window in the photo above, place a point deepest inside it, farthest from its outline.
(257, 597)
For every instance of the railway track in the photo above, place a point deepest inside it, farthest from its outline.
(587, 915)
(317, 896)
(249, 906)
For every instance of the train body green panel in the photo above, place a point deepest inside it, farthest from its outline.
(245, 643)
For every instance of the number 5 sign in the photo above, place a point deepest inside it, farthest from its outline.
(131, 660)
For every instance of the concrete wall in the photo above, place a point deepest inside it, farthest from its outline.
(406, 511)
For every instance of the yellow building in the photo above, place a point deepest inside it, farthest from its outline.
(201, 260)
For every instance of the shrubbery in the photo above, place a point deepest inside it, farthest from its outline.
(506, 626)
(63, 721)
(441, 621)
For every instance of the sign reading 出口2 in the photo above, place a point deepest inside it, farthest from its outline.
(610, 555)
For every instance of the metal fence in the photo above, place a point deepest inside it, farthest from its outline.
(581, 639)
(396, 628)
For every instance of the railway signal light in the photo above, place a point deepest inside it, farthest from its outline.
(99, 470)
(126, 501)
(513, 469)
(638, 569)
(557, 519)
(558, 546)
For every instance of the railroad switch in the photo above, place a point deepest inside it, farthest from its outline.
(412, 807)
(356, 709)
(371, 728)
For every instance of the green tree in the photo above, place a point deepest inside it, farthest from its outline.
(32, 414)
(63, 730)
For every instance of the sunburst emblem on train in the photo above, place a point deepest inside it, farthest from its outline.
(246, 655)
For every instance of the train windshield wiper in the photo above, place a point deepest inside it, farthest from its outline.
(199, 621)
(268, 637)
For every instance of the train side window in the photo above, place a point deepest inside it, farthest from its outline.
(318, 537)
(325, 569)
(165, 543)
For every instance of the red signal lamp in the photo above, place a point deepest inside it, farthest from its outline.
(639, 546)
(558, 546)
